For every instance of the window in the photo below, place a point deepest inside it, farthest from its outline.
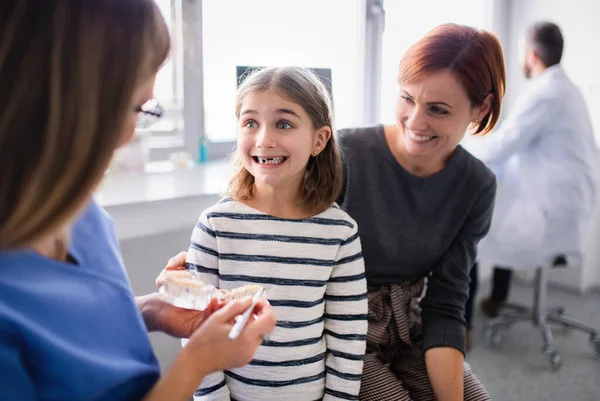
(405, 23)
(168, 131)
(212, 38)
(310, 33)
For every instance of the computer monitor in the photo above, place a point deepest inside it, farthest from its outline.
(324, 74)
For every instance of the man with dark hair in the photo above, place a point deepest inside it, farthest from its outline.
(544, 155)
(544, 47)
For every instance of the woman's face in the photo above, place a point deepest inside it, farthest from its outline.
(433, 114)
(142, 94)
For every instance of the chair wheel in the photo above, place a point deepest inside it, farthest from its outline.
(553, 358)
(595, 343)
(493, 336)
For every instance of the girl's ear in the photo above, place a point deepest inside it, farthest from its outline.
(321, 138)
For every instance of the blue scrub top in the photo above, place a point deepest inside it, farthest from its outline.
(73, 331)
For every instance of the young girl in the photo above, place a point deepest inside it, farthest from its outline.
(280, 229)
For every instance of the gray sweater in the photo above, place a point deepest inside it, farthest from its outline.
(413, 227)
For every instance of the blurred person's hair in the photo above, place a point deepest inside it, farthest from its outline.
(474, 57)
(546, 41)
(323, 177)
(68, 72)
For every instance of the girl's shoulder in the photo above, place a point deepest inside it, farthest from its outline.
(336, 217)
(225, 205)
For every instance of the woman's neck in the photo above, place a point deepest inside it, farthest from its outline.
(278, 202)
(53, 246)
(420, 166)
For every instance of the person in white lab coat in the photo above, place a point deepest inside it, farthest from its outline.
(544, 155)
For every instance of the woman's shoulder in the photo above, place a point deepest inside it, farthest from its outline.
(17, 275)
(94, 219)
(480, 175)
(362, 144)
(349, 136)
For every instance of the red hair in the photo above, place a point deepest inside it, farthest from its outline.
(473, 56)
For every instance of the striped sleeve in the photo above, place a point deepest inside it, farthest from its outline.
(203, 257)
(346, 322)
(203, 253)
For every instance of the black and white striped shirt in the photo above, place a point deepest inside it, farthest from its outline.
(313, 272)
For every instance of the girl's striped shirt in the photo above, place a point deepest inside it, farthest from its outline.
(313, 272)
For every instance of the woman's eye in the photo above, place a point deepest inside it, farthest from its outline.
(406, 99)
(251, 124)
(439, 111)
(284, 125)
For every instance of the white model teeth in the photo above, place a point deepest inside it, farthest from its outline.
(271, 160)
(419, 138)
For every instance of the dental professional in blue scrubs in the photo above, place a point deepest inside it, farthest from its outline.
(75, 78)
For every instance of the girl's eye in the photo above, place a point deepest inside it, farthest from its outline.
(251, 124)
(406, 99)
(284, 125)
(439, 111)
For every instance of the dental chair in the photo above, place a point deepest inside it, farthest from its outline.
(541, 316)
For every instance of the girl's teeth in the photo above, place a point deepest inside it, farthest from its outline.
(270, 160)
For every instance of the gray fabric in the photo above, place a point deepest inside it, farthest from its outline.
(413, 227)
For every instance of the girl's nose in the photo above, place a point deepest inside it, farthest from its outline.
(266, 138)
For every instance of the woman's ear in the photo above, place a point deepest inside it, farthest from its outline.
(485, 107)
(322, 136)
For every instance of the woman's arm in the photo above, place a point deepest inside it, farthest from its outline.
(16, 382)
(210, 350)
(445, 369)
(443, 307)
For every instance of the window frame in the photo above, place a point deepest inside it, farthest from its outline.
(187, 31)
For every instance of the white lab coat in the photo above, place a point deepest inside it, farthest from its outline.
(544, 156)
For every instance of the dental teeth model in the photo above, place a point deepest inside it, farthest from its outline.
(184, 289)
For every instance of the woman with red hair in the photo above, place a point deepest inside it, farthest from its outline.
(422, 203)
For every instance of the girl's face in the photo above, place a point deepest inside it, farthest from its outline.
(276, 138)
(433, 114)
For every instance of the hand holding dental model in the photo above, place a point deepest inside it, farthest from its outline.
(184, 289)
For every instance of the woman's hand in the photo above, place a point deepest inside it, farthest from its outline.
(210, 350)
(211, 343)
(177, 262)
(160, 315)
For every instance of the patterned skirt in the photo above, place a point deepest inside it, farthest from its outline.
(394, 368)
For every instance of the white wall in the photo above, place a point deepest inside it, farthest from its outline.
(578, 22)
